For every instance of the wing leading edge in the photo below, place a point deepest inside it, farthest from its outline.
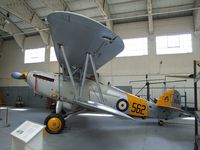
(81, 35)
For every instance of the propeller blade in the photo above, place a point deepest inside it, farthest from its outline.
(19, 75)
(181, 76)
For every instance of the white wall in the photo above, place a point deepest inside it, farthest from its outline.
(118, 71)
(12, 59)
(140, 65)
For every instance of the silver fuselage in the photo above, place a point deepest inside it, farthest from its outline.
(48, 84)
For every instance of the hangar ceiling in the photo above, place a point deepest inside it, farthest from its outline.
(22, 18)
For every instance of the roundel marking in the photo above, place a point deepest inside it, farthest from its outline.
(166, 99)
(122, 105)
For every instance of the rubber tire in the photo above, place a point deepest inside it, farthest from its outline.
(54, 116)
(160, 123)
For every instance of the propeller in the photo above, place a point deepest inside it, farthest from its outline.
(19, 75)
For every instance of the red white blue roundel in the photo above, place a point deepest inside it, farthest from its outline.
(122, 105)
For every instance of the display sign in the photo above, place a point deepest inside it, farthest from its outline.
(27, 131)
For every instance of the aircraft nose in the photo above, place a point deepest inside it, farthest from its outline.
(19, 75)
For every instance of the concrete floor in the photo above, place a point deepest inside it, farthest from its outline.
(106, 133)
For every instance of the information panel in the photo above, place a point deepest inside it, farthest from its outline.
(27, 131)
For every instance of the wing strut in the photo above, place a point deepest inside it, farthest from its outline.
(84, 74)
(61, 47)
(88, 58)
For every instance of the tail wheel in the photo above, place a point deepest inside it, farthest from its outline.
(160, 123)
(55, 123)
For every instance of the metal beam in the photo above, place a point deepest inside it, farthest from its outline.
(56, 5)
(150, 17)
(105, 11)
(196, 16)
(8, 26)
(22, 10)
(157, 11)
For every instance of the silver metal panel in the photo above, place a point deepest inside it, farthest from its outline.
(81, 35)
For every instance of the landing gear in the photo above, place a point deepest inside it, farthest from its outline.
(160, 123)
(55, 123)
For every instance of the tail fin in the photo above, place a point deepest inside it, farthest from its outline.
(171, 98)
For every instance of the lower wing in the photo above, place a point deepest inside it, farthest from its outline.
(101, 107)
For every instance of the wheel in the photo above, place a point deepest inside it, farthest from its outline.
(160, 123)
(55, 123)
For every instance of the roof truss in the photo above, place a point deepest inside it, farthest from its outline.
(22, 10)
(56, 5)
(8, 26)
(104, 10)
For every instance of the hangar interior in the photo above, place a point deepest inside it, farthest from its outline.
(161, 37)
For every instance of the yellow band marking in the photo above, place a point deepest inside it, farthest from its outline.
(166, 98)
(137, 106)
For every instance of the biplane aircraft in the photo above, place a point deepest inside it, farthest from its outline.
(82, 46)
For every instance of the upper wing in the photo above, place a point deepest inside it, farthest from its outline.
(81, 35)
(100, 107)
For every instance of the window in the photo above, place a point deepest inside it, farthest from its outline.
(34, 55)
(134, 47)
(52, 54)
(174, 44)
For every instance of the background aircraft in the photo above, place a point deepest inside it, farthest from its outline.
(83, 45)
